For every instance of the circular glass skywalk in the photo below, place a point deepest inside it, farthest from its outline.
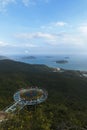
(30, 96)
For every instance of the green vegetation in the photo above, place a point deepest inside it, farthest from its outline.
(65, 108)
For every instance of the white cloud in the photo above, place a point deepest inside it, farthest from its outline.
(61, 24)
(36, 35)
(45, 35)
(82, 32)
(83, 29)
(51, 39)
(8, 44)
(33, 2)
(30, 45)
(3, 44)
(4, 3)
(26, 2)
(55, 26)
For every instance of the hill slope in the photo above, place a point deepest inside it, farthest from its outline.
(65, 108)
(13, 66)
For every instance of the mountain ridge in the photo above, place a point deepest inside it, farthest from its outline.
(11, 65)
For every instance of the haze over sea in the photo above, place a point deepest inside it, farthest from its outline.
(75, 62)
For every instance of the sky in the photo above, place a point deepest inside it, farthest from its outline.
(43, 27)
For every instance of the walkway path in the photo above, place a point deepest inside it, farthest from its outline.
(15, 107)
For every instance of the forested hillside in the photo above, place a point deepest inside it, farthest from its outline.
(65, 108)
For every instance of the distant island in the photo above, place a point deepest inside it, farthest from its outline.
(61, 61)
(29, 57)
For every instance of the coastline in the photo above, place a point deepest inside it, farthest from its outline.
(77, 62)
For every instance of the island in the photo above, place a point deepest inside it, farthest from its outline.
(62, 61)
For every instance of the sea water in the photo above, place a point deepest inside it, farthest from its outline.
(75, 62)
